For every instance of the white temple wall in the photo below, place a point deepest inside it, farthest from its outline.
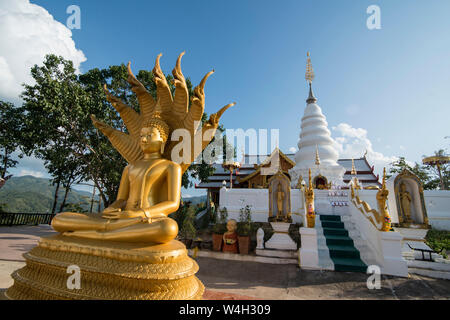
(437, 203)
(258, 199)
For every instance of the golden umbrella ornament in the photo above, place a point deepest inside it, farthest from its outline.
(437, 161)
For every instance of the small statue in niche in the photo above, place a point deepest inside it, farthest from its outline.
(230, 238)
(280, 198)
(405, 200)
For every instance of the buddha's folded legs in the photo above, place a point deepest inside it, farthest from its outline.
(72, 221)
(159, 231)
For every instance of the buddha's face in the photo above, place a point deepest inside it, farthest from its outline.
(231, 225)
(150, 140)
(402, 187)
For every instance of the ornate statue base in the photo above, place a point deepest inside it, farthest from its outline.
(108, 270)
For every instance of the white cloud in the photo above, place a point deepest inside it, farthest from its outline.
(25, 172)
(27, 33)
(29, 166)
(292, 149)
(353, 143)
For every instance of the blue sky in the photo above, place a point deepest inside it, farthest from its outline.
(393, 82)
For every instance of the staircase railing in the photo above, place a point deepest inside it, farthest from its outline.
(367, 221)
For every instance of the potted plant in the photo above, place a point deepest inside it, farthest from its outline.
(219, 229)
(244, 229)
(188, 230)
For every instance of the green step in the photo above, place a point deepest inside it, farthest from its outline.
(339, 240)
(327, 217)
(341, 247)
(335, 232)
(338, 251)
(349, 265)
(333, 224)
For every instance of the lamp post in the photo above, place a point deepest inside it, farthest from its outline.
(437, 161)
(231, 166)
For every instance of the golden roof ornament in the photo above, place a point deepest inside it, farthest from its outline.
(353, 173)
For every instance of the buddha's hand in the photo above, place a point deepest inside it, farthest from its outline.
(119, 214)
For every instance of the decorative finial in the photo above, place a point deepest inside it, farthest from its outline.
(353, 173)
(317, 156)
(309, 76)
(383, 186)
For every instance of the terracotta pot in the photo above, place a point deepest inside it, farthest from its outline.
(244, 244)
(217, 241)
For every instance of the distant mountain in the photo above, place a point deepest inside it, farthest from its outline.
(195, 200)
(31, 194)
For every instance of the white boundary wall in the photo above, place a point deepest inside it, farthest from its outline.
(437, 203)
(258, 199)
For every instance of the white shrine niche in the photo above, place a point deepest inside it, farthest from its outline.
(406, 185)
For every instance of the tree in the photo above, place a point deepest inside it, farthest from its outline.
(58, 128)
(443, 172)
(51, 112)
(425, 174)
(10, 130)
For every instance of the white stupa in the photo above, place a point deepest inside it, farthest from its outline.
(316, 149)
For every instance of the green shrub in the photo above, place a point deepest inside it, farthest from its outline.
(245, 221)
(221, 225)
(188, 230)
(438, 241)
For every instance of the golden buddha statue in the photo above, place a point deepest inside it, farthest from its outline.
(128, 251)
(150, 186)
(405, 201)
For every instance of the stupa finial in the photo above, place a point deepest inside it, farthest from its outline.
(309, 76)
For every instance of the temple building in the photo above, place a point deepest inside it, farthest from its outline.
(249, 174)
(334, 201)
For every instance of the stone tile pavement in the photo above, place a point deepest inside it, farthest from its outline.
(244, 280)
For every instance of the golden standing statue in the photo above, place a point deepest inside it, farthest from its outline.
(405, 200)
(309, 199)
(128, 251)
(382, 196)
(280, 200)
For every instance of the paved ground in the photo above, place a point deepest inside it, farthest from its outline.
(227, 280)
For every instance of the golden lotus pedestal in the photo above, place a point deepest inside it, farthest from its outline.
(108, 270)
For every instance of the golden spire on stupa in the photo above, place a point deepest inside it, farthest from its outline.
(317, 156)
(309, 75)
